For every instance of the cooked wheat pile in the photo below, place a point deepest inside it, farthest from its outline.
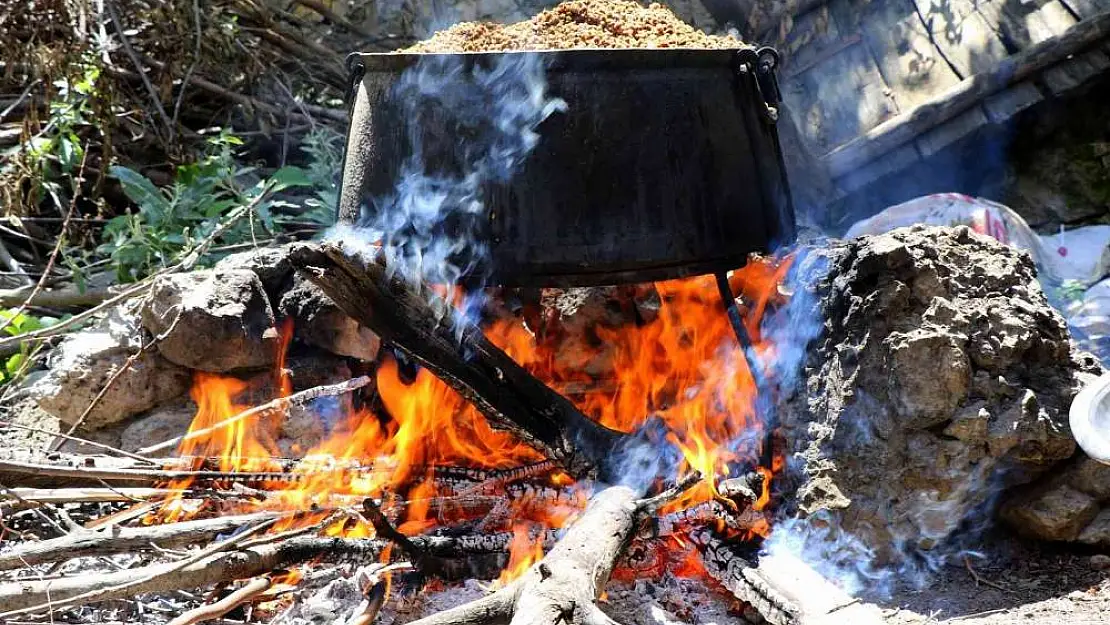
(578, 24)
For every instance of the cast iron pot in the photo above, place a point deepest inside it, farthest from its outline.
(665, 163)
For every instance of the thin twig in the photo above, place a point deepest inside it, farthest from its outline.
(211, 611)
(192, 64)
(281, 403)
(95, 595)
(78, 439)
(23, 96)
(424, 561)
(131, 54)
(117, 374)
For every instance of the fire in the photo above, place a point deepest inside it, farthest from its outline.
(683, 370)
(524, 551)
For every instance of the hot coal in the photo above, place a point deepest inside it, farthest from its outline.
(579, 24)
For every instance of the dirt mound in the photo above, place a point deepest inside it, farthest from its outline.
(942, 378)
(578, 24)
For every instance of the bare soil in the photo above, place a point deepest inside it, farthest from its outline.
(1038, 583)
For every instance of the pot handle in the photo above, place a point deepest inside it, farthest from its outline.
(763, 62)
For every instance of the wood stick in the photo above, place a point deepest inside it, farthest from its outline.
(820, 602)
(135, 475)
(249, 591)
(427, 328)
(276, 405)
(126, 539)
(966, 94)
(564, 586)
(132, 586)
(244, 563)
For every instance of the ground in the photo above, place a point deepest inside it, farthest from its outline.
(1043, 583)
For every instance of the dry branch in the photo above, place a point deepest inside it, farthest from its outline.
(249, 591)
(128, 539)
(277, 405)
(243, 563)
(427, 328)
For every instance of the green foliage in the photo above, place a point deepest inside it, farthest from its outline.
(51, 158)
(19, 323)
(325, 150)
(172, 220)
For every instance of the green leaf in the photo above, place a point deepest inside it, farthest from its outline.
(290, 176)
(14, 363)
(140, 189)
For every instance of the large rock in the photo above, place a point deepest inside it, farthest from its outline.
(216, 320)
(318, 321)
(1056, 514)
(85, 362)
(941, 376)
(270, 264)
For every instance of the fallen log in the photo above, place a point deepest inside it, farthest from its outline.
(783, 588)
(424, 326)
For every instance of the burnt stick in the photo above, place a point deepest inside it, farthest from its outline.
(466, 552)
(421, 324)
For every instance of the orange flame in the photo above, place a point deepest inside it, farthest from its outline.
(524, 551)
(682, 368)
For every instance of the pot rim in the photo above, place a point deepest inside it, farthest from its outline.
(573, 59)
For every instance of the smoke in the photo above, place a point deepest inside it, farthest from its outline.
(938, 532)
(469, 127)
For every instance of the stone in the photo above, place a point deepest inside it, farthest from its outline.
(940, 375)
(1058, 514)
(271, 265)
(318, 321)
(1089, 476)
(158, 425)
(216, 321)
(82, 365)
(929, 376)
(1100, 562)
(1097, 532)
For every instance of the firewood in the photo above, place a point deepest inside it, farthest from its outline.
(128, 539)
(215, 610)
(250, 561)
(565, 584)
(783, 588)
(425, 327)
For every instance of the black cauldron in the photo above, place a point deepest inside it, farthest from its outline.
(665, 163)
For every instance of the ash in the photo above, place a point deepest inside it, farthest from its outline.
(670, 601)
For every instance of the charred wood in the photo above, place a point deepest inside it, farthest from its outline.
(425, 327)
(469, 556)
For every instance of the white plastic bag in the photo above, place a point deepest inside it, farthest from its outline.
(1080, 254)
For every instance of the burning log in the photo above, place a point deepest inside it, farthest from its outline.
(565, 584)
(424, 326)
(784, 590)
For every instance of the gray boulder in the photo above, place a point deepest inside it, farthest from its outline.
(216, 320)
(85, 362)
(319, 322)
(941, 376)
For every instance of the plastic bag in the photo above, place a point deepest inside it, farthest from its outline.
(1081, 254)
